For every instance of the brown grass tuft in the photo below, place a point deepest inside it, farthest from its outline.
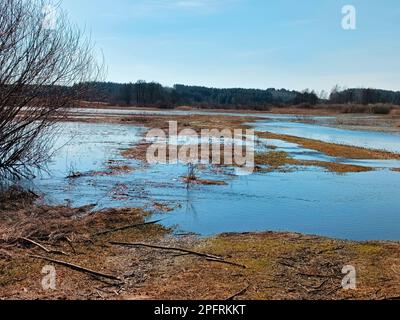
(333, 149)
(279, 159)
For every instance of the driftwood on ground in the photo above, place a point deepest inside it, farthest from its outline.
(77, 268)
(209, 257)
(43, 247)
(232, 297)
(131, 226)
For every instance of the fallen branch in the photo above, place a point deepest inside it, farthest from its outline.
(126, 244)
(392, 298)
(313, 290)
(43, 247)
(77, 268)
(286, 264)
(199, 254)
(238, 293)
(227, 262)
(69, 241)
(125, 228)
(316, 275)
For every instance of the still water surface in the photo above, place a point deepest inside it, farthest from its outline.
(357, 206)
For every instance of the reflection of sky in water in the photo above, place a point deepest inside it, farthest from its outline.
(118, 112)
(357, 206)
(300, 153)
(367, 139)
(242, 140)
(84, 147)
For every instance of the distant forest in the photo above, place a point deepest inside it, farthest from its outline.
(152, 94)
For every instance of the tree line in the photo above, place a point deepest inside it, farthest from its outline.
(152, 94)
(364, 96)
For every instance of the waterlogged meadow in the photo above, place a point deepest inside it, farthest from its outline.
(88, 168)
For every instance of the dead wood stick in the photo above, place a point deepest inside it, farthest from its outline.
(227, 262)
(69, 241)
(77, 268)
(313, 290)
(316, 275)
(238, 293)
(43, 247)
(126, 244)
(334, 290)
(286, 264)
(204, 255)
(392, 298)
(126, 227)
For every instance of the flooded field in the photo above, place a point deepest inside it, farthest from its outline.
(365, 139)
(356, 206)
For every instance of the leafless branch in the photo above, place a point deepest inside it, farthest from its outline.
(42, 71)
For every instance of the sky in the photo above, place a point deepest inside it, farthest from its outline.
(293, 44)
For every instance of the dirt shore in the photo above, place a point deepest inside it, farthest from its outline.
(123, 254)
(256, 266)
(332, 115)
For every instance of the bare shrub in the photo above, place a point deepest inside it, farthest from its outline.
(381, 109)
(191, 176)
(355, 108)
(15, 197)
(41, 68)
(191, 172)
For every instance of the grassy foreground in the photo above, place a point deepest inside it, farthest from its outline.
(257, 266)
(229, 266)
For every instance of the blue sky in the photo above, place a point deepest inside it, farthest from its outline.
(293, 44)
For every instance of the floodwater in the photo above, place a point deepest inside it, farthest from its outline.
(366, 139)
(356, 206)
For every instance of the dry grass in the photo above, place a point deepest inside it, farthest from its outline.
(274, 159)
(205, 182)
(278, 160)
(333, 149)
(195, 122)
(137, 152)
(112, 170)
(53, 223)
(73, 231)
(279, 265)
(14, 197)
(334, 167)
(282, 266)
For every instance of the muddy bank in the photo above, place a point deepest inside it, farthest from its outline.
(31, 233)
(155, 264)
(281, 161)
(325, 115)
(199, 122)
(284, 266)
(277, 265)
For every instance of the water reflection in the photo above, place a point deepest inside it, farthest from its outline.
(359, 206)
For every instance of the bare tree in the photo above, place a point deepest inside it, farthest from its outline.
(43, 65)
